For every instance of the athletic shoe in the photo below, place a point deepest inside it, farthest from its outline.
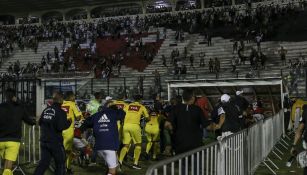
(137, 167)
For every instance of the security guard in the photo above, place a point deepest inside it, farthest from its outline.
(53, 121)
(11, 116)
(73, 113)
(132, 129)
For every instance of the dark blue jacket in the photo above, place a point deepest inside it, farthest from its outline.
(53, 121)
(104, 124)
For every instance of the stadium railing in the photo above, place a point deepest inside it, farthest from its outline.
(238, 154)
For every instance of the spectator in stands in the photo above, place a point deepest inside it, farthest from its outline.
(211, 65)
(263, 59)
(192, 60)
(258, 40)
(183, 70)
(185, 52)
(282, 53)
(217, 65)
(233, 64)
(235, 46)
(157, 81)
(164, 61)
(202, 59)
(209, 39)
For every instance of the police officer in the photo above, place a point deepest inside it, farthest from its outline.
(11, 116)
(53, 121)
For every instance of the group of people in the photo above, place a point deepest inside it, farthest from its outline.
(118, 125)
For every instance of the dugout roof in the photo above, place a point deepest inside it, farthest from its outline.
(270, 89)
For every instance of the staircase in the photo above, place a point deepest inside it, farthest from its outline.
(29, 56)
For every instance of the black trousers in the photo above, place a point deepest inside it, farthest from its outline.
(49, 151)
(305, 171)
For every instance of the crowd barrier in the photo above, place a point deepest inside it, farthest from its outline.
(237, 154)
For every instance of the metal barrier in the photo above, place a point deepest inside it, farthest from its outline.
(237, 154)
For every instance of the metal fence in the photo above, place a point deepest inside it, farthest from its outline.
(237, 154)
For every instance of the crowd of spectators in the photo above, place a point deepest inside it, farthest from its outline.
(297, 67)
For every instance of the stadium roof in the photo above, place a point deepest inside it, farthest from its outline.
(16, 6)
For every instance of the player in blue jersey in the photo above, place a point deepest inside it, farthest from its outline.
(104, 124)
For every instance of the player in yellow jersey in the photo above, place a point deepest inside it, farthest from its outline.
(73, 113)
(120, 105)
(132, 130)
(152, 133)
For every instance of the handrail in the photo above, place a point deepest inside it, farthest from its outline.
(179, 156)
(244, 150)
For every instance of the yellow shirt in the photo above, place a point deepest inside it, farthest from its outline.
(120, 104)
(134, 112)
(72, 111)
(154, 119)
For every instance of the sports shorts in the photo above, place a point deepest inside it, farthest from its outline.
(132, 132)
(152, 132)
(9, 150)
(109, 156)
